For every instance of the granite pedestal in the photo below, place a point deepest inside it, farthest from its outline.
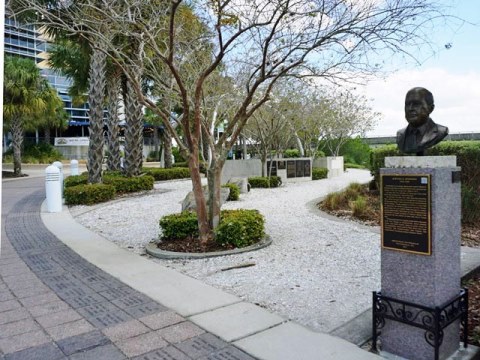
(430, 279)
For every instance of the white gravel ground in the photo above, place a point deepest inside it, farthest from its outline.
(319, 271)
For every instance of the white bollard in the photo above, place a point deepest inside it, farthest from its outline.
(74, 167)
(59, 165)
(53, 189)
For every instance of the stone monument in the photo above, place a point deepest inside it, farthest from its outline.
(420, 306)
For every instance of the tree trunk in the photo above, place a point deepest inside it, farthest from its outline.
(133, 133)
(167, 146)
(17, 142)
(214, 175)
(203, 224)
(95, 100)
(113, 91)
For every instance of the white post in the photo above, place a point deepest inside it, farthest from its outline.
(53, 189)
(59, 165)
(74, 167)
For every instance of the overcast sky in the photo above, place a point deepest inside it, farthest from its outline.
(452, 75)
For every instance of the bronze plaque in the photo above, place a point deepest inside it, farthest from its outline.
(272, 171)
(306, 165)
(300, 168)
(290, 169)
(406, 213)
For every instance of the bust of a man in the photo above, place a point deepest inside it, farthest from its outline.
(421, 132)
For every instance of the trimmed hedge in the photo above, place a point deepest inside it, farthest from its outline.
(468, 158)
(240, 227)
(179, 226)
(125, 184)
(75, 180)
(265, 182)
(237, 227)
(88, 194)
(234, 191)
(167, 174)
(319, 173)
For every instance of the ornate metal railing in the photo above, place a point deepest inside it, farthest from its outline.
(432, 320)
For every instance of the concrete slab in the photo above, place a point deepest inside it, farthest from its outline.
(168, 287)
(470, 261)
(291, 341)
(236, 321)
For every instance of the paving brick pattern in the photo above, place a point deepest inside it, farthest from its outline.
(54, 305)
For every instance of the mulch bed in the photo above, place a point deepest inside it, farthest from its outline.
(192, 245)
(470, 238)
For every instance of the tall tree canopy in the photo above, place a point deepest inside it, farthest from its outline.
(28, 101)
(256, 43)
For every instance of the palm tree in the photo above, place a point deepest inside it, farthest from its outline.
(113, 137)
(27, 96)
(96, 97)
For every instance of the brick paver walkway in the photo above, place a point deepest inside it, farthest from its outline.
(55, 305)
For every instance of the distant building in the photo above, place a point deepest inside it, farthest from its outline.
(26, 41)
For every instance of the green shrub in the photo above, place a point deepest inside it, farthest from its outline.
(125, 184)
(291, 153)
(176, 154)
(333, 201)
(343, 199)
(167, 174)
(181, 164)
(179, 226)
(203, 166)
(319, 154)
(353, 166)
(153, 156)
(237, 227)
(112, 173)
(468, 158)
(88, 194)
(42, 153)
(264, 182)
(75, 180)
(319, 173)
(234, 191)
(470, 205)
(240, 227)
(359, 207)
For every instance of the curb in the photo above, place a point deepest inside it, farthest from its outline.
(154, 251)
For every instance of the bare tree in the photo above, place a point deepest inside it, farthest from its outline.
(258, 41)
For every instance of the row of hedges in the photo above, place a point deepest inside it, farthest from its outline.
(124, 184)
(265, 182)
(468, 158)
(89, 194)
(78, 191)
(237, 227)
(160, 174)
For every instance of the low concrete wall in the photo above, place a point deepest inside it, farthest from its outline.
(241, 168)
(334, 164)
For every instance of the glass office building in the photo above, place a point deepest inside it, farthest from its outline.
(26, 41)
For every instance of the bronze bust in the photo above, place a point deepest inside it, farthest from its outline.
(421, 132)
